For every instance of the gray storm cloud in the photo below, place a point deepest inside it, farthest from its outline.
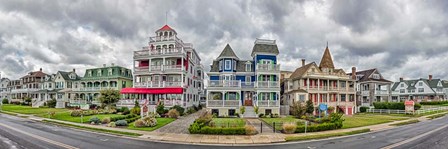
(401, 38)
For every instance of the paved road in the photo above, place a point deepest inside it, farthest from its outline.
(23, 133)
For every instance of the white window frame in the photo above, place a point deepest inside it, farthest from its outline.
(422, 90)
(248, 80)
(420, 83)
(248, 67)
(227, 64)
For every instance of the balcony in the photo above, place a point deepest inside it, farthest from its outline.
(268, 84)
(365, 93)
(164, 38)
(268, 68)
(158, 84)
(140, 70)
(223, 103)
(141, 54)
(381, 92)
(268, 103)
(224, 83)
(172, 68)
(93, 88)
(247, 84)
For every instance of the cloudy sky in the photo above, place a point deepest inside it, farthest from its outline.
(400, 38)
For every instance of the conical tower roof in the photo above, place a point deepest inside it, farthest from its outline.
(227, 53)
(326, 61)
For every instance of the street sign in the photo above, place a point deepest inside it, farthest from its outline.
(409, 106)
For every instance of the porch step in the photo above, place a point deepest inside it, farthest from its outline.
(250, 112)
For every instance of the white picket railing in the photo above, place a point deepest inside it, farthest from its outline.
(421, 111)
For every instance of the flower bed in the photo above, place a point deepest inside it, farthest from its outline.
(205, 124)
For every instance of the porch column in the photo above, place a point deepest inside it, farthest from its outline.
(318, 85)
(328, 84)
(133, 76)
(307, 83)
(150, 64)
(223, 97)
(207, 98)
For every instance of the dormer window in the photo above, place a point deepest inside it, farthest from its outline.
(72, 76)
(110, 71)
(402, 85)
(420, 83)
(248, 67)
(376, 76)
(227, 65)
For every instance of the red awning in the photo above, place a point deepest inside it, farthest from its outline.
(152, 90)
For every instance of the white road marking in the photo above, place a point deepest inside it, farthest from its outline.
(414, 138)
(40, 138)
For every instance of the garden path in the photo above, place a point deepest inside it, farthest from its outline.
(259, 125)
(180, 126)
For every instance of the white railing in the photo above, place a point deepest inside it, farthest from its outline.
(381, 92)
(164, 38)
(93, 88)
(223, 103)
(247, 84)
(172, 68)
(431, 109)
(24, 90)
(156, 67)
(365, 93)
(142, 69)
(268, 103)
(224, 83)
(422, 111)
(141, 54)
(268, 67)
(268, 84)
(158, 84)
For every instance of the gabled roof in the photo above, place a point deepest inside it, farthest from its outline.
(299, 72)
(227, 53)
(166, 28)
(366, 76)
(412, 83)
(35, 74)
(326, 61)
(66, 75)
(265, 46)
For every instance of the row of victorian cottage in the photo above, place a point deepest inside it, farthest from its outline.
(169, 71)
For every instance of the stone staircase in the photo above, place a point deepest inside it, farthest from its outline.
(250, 112)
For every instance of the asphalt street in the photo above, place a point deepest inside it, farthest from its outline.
(21, 133)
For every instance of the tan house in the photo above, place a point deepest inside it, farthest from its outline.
(323, 84)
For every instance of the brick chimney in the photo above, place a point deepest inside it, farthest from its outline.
(303, 62)
(40, 69)
(430, 77)
(401, 79)
(104, 65)
(74, 70)
(354, 73)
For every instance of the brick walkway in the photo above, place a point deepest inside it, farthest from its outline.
(180, 126)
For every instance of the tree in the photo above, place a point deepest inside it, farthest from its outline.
(108, 97)
(297, 109)
(309, 107)
(51, 103)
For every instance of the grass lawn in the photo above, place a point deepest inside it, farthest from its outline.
(95, 129)
(65, 116)
(229, 122)
(359, 120)
(279, 121)
(322, 136)
(30, 110)
(160, 122)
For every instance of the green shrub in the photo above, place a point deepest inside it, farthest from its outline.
(289, 128)
(94, 120)
(205, 118)
(140, 123)
(250, 130)
(5, 101)
(111, 124)
(161, 109)
(336, 118)
(132, 119)
(256, 109)
(223, 131)
(417, 106)
(242, 109)
(113, 119)
(195, 128)
(363, 109)
(178, 109)
(317, 127)
(261, 115)
(150, 121)
(433, 102)
(191, 111)
(51, 103)
(105, 120)
(121, 123)
(75, 113)
(173, 113)
(389, 105)
(135, 110)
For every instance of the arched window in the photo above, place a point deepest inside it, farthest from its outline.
(166, 34)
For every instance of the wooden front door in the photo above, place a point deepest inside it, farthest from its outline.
(247, 99)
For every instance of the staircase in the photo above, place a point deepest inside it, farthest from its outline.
(250, 112)
(37, 103)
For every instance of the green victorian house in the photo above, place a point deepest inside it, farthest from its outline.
(87, 89)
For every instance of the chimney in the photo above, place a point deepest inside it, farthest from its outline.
(430, 77)
(401, 79)
(354, 73)
(303, 62)
(74, 70)
(40, 69)
(113, 64)
(104, 65)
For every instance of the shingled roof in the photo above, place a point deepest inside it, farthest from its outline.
(227, 53)
(366, 74)
(66, 76)
(412, 83)
(326, 61)
(301, 70)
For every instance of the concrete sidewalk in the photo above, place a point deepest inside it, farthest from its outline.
(225, 139)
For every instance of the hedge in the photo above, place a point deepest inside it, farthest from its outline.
(389, 105)
(433, 102)
(363, 109)
(223, 131)
(316, 128)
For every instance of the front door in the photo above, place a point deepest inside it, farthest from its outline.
(248, 99)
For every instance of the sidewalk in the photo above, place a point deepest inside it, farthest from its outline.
(264, 138)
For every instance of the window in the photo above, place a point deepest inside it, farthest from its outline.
(402, 85)
(401, 90)
(220, 65)
(110, 71)
(89, 73)
(234, 65)
(420, 90)
(248, 67)
(302, 98)
(376, 76)
(342, 97)
(227, 65)
(231, 112)
(99, 73)
(420, 83)
(248, 80)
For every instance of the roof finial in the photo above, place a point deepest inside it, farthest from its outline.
(327, 44)
(166, 17)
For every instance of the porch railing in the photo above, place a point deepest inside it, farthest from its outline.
(268, 67)
(268, 103)
(224, 83)
(268, 84)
